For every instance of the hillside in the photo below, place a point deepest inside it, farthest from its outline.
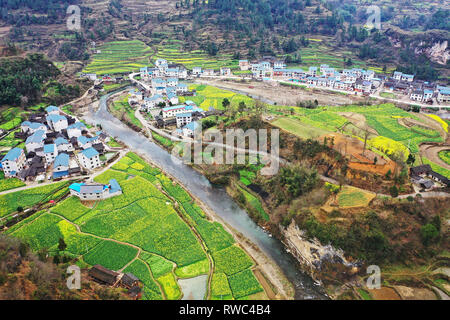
(26, 275)
(308, 31)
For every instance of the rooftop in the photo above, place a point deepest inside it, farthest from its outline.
(90, 153)
(12, 154)
(62, 160)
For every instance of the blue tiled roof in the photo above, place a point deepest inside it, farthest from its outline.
(26, 123)
(51, 109)
(12, 154)
(192, 126)
(76, 186)
(55, 118)
(77, 125)
(36, 137)
(60, 174)
(187, 114)
(90, 153)
(172, 79)
(49, 148)
(82, 140)
(59, 141)
(114, 186)
(62, 159)
(171, 95)
(182, 85)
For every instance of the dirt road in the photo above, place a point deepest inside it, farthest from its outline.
(431, 152)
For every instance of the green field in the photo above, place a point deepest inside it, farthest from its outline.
(174, 53)
(27, 198)
(383, 118)
(8, 184)
(208, 96)
(300, 129)
(120, 57)
(445, 156)
(121, 109)
(143, 217)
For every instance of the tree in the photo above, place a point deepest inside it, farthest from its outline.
(62, 244)
(242, 106)
(393, 191)
(429, 234)
(226, 103)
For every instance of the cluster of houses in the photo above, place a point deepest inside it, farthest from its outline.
(425, 178)
(51, 142)
(417, 90)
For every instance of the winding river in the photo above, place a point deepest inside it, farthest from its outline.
(214, 197)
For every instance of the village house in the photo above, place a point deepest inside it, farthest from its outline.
(443, 95)
(279, 64)
(173, 98)
(52, 110)
(31, 127)
(61, 166)
(312, 71)
(427, 95)
(63, 145)
(225, 71)
(244, 65)
(426, 171)
(171, 112)
(196, 71)
(57, 122)
(172, 82)
(182, 87)
(35, 141)
(89, 158)
(152, 102)
(84, 142)
(13, 162)
(95, 191)
(50, 153)
(76, 129)
(103, 276)
(183, 119)
(190, 128)
(417, 95)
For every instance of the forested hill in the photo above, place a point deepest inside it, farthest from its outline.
(25, 81)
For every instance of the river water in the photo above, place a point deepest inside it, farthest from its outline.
(215, 197)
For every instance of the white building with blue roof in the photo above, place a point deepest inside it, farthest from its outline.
(63, 145)
(76, 129)
(182, 87)
(57, 122)
(32, 127)
(95, 191)
(173, 98)
(189, 129)
(13, 162)
(184, 119)
(50, 152)
(35, 141)
(152, 102)
(61, 166)
(443, 94)
(89, 158)
(172, 82)
(52, 110)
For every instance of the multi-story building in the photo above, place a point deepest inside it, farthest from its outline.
(89, 158)
(13, 162)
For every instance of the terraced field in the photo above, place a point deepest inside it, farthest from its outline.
(173, 52)
(391, 136)
(120, 57)
(154, 230)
